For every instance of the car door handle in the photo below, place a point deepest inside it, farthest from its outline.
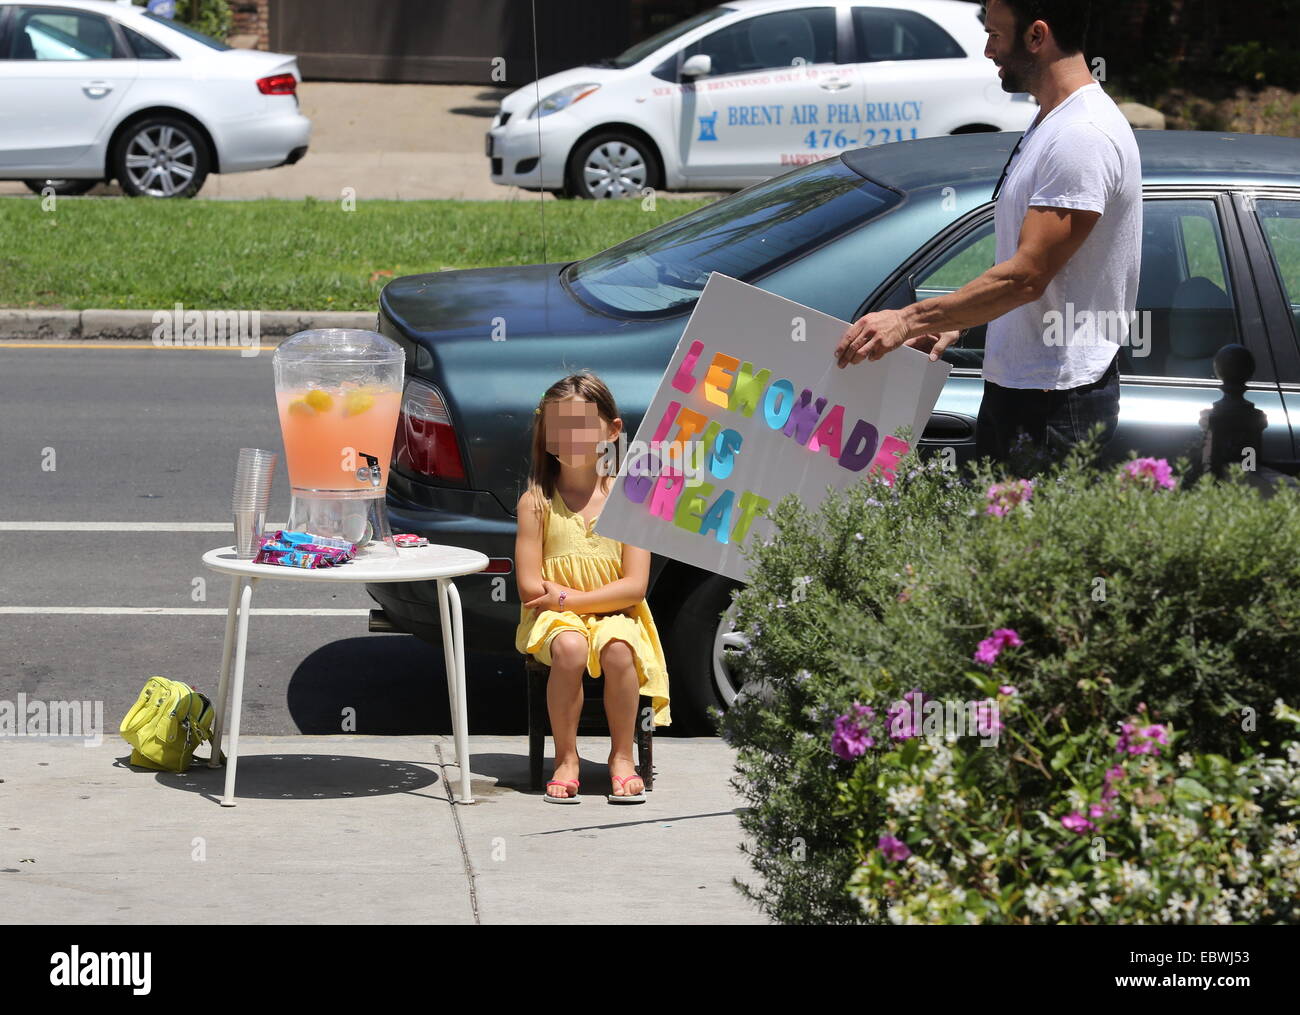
(96, 89)
(834, 84)
(948, 428)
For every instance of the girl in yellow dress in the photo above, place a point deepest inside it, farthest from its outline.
(582, 595)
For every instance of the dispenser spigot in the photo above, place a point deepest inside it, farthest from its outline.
(370, 471)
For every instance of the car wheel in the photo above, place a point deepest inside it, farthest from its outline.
(161, 156)
(611, 165)
(61, 188)
(701, 650)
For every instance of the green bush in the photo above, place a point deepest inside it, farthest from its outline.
(211, 17)
(1125, 596)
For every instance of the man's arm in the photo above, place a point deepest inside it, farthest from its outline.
(1048, 239)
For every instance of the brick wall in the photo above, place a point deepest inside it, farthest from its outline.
(251, 28)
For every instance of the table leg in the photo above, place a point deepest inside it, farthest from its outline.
(223, 688)
(241, 651)
(453, 643)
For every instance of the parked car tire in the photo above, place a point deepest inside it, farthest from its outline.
(699, 642)
(611, 164)
(61, 188)
(161, 156)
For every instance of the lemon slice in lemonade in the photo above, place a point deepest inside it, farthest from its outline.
(319, 400)
(356, 402)
(301, 407)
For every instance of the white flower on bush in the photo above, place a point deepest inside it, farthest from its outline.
(1100, 903)
(1040, 902)
(903, 799)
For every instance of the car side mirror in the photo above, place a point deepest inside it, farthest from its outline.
(698, 66)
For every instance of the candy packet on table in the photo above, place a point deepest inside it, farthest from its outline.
(311, 539)
(290, 553)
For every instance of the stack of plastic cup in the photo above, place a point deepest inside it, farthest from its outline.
(252, 498)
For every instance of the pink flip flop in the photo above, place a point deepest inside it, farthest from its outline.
(563, 799)
(625, 799)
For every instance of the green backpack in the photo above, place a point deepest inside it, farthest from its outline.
(166, 723)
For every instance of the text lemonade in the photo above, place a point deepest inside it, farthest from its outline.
(661, 484)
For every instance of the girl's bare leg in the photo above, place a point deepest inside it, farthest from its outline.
(622, 692)
(564, 704)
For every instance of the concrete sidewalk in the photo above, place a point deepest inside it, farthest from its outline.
(360, 830)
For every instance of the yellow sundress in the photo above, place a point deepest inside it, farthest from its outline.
(579, 558)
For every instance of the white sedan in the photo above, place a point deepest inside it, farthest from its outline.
(93, 90)
(746, 90)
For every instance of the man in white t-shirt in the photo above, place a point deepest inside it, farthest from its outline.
(1068, 224)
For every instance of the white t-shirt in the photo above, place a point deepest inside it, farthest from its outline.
(1081, 155)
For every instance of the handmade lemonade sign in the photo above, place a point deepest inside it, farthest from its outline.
(753, 407)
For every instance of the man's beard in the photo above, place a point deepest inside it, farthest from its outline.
(1017, 69)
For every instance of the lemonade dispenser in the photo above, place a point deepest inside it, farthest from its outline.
(338, 392)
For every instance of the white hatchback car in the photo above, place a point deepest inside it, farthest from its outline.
(93, 90)
(743, 91)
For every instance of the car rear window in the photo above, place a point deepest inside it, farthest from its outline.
(745, 236)
(888, 34)
(145, 49)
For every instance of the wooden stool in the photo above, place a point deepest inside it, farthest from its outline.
(591, 721)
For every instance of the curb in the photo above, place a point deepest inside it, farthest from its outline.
(139, 325)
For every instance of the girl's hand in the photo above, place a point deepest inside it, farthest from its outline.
(550, 598)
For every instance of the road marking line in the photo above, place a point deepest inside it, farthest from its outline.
(127, 526)
(179, 611)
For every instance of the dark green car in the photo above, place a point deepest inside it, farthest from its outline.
(864, 230)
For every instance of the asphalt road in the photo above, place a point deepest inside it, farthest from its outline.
(149, 435)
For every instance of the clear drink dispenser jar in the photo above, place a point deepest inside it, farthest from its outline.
(338, 392)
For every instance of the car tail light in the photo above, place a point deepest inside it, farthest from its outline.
(278, 84)
(425, 442)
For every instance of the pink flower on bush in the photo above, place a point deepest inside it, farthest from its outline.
(1146, 740)
(1077, 823)
(851, 739)
(991, 647)
(1152, 472)
(893, 849)
(1008, 690)
(1003, 497)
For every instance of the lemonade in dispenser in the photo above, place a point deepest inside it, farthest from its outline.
(338, 392)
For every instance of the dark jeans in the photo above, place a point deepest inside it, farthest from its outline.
(1054, 421)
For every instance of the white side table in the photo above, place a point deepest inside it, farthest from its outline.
(411, 564)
